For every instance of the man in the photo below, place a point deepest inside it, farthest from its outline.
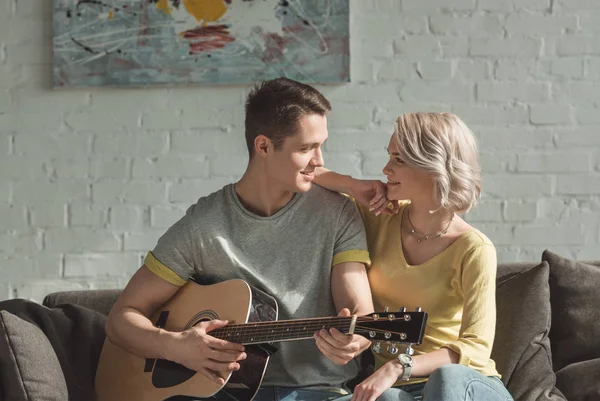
(303, 245)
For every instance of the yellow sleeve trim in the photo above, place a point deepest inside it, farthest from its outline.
(162, 271)
(352, 255)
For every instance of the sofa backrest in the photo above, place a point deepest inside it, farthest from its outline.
(522, 346)
(98, 300)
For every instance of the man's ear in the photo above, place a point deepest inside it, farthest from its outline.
(262, 145)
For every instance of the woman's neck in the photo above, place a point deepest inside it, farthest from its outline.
(428, 221)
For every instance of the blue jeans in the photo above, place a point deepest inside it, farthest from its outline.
(298, 393)
(449, 383)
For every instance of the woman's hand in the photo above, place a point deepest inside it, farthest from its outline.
(371, 194)
(374, 385)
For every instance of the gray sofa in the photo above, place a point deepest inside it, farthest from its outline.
(547, 344)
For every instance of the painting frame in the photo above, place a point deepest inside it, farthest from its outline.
(127, 43)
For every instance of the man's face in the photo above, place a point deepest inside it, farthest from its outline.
(294, 164)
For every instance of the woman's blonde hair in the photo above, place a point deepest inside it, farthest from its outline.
(442, 145)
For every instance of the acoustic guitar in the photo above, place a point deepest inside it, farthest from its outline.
(252, 316)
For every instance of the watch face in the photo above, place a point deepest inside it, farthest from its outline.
(405, 358)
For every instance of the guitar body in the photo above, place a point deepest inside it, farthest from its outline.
(122, 376)
(252, 316)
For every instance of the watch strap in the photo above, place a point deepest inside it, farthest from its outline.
(407, 365)
(406, 373)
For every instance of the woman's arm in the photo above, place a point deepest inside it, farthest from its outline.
(426, 364)
(333, 181)
(478, 326)
(385, 377)
(369, 193)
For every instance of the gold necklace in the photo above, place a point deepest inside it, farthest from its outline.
(420, 236)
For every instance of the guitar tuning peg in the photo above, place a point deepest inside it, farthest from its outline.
(418, 309)
(386, 309)
(376, 347)
(392, 349)
(402, 309)
(409, 350)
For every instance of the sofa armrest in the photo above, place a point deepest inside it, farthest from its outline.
(98, 300)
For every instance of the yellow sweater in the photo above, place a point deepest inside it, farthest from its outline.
(457, 289)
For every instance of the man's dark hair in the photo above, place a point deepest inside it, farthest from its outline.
(274, 107)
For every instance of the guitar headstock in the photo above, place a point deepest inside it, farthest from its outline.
(394, 327)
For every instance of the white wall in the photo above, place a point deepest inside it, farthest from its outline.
(90, 178)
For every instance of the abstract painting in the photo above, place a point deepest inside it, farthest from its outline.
(147, 42)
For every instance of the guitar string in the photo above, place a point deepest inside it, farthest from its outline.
(300, 322)
(250, 328)
(309, 320)
(299, 333)
(259, 340)
(341, 328)
(294, 328)
(273, 331)
(257, 327)
(256, 330)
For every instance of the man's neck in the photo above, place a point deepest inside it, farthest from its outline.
(259, 194)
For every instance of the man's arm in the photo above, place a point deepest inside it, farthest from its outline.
(351, 295)
(129, 326)
(350, 288)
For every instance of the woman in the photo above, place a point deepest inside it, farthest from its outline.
(425, 255)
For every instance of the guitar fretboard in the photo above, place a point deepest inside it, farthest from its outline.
(281, 330)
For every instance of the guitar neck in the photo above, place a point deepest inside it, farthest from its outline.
(280, 330)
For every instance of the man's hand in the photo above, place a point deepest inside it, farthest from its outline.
(197, 350)
(371, 194)
(338, 347)
(373, 386)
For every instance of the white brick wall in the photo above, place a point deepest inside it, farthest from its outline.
(89, 179)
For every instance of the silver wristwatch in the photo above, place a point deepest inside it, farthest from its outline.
(407, 362)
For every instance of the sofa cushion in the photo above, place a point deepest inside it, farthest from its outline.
(580, 381)
(76, 334)
(575, 296)
(29, 368)
(521, 346)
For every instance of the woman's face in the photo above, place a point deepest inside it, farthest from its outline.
(405, 182)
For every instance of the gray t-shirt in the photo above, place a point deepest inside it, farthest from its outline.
(288, 255)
